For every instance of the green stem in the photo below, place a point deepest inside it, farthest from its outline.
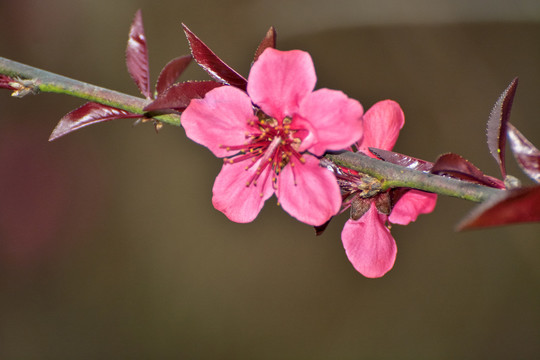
(393, 176)
(45, 81)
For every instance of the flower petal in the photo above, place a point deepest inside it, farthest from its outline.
(308, 192)
(382, 123)
(369, 245)
(412, 204)
(239, 202)
(221, 118)
(279, 80)
(336, 118)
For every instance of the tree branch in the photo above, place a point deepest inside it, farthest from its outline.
(38, 80)
(393, 176)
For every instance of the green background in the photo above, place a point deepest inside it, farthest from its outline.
(109, 244)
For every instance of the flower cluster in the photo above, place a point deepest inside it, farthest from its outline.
(271, 137)
(313, 149)
(272, 130)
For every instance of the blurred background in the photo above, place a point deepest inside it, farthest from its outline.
(109, 244)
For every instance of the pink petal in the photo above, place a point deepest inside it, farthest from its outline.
(412, 204)
(241, 203)
(336, 118)
(369, 245)
(279, 80)
(221, 118)
(382, 123)
(308, 192)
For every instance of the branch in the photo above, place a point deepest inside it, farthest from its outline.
(393, 176)
(38, 80)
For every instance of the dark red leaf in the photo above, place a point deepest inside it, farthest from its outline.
(453, 165)
(88, 114)
(137, 56)
(496, 126)
(171, 72)
(178, 96)
(512, 207)
(212, 64)
(402, 160)
(269, 41)
(526, 154)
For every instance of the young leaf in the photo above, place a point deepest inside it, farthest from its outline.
(212, 64)
(88, 114)
(402, 160)
(171, 72)
(269, 41)
(526, 154)
(455, 166)
(496, 126)
(137, 56)
(6, 82)
(178, 96)
(512, 207)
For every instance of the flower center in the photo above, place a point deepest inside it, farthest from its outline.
(272, 142)
(353, 183)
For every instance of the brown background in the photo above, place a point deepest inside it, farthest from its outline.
(109, 245)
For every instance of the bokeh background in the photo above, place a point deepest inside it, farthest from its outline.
(109, 245)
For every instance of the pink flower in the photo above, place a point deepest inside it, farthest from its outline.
(271, 137)
(367, 240)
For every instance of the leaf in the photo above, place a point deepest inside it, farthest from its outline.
(526, 154)
(511, 207)
(178, 96)
(171, 72)
(88, 114)
(496, 125)
(454, 165)
(402, 160)
(269, 41)
(212, 64)
(137, 56)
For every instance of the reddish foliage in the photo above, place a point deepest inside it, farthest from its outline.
(88, 114)
(137, 56)
(212, 64)
(269, 41)
(512, 207)
(496, 126)
(402, 160)
(526, 154)
(178, 96)
(456, 166)
(171, 72)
